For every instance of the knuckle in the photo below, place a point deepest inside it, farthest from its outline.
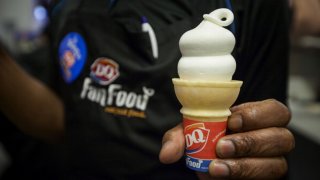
(244, 145)
(283, 166)
(246, 168)
(285, 113)
(287, 116)
(273, 101)
(278, 168)
(283, 110)
(167, 136)
(170, 134)
(279, 142)
(289, 138)
(175, 135)
(250, 113)
(242, 169)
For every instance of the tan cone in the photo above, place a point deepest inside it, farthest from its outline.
(207, 101)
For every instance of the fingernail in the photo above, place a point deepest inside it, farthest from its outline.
(219, 169)
(225, 148)
(235, 122)
(234, 108)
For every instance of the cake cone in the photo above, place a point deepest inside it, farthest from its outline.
(205, 109)
(205, 89)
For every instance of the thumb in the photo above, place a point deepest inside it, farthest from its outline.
(173, 145)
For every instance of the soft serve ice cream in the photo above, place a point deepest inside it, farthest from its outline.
(206, 49)
(205, 88)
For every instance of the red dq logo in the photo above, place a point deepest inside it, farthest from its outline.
(196, 137)
(104, 71)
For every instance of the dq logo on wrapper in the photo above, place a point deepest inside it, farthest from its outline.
(201, 140)
(196, 137)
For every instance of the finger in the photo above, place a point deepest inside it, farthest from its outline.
(258, 115)
(173, 145)
(204, 176)
(249, 168)
(260, 143)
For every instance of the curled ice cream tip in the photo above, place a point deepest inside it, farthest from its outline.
(221, 17)
(206, 49)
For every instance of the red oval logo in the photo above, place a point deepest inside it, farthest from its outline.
(104, 71)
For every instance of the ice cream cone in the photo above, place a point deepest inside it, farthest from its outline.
(205, 88)
(205, 109)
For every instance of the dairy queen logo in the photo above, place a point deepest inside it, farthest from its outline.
(104, 71)
(196, 137)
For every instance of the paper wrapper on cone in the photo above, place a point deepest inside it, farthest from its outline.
(205, 109)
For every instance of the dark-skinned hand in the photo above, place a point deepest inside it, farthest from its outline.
(254, 149)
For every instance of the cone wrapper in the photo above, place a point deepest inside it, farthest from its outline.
(205, 109)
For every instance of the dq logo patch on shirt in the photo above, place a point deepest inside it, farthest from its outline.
(114, 98)
(72, 56)
(104, 71)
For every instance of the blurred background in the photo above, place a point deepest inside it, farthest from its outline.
(304, 89)
(22, 29)
(23, 32)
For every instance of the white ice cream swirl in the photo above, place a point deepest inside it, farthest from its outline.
(206, 49)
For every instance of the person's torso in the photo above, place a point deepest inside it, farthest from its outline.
(119, 97)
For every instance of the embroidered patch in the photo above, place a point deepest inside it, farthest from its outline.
(72, 56)
(104, 71)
